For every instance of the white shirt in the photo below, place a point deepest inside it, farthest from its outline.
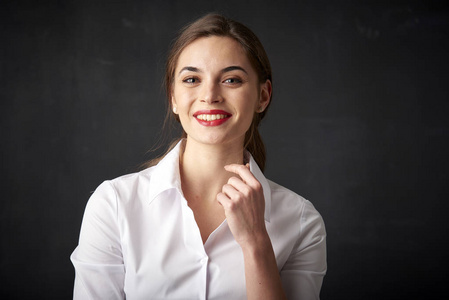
(139, 240)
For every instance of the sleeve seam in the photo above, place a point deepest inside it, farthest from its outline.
(116, 200)
(117, 215)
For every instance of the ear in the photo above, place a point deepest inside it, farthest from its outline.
(265, 95)
(173, 104)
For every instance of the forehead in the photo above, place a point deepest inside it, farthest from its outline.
(214, 51)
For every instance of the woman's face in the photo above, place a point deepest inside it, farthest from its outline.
(216, 91)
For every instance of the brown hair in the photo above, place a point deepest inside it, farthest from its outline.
(217, 25)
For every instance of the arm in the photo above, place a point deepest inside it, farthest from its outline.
(261, 273)
(302, 274)
(98, 262)
(243, 201)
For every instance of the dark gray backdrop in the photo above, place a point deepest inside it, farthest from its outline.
(358, 125)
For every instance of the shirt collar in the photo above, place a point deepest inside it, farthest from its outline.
(166, 176)
(254, 167)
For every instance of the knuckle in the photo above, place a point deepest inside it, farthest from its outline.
(226, 187)
(233, 179)
(246, 191)
(232, 206)
(239, 197)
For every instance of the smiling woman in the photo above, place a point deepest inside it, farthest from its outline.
(203, 222)
(214, 77)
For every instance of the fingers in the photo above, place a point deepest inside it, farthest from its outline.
(232, 198)
(243, 203)
(237, 190)
(238, 184)
(230, 191)
(244, 173)
(228, 203)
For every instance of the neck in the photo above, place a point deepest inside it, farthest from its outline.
(202, 168)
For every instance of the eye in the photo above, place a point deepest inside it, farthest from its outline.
(233, 81)
(190, 80)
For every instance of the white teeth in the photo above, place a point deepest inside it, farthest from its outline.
(207, 117)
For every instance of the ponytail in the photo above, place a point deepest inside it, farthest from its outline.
(254, 143)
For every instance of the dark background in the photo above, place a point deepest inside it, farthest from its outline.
(358, 125)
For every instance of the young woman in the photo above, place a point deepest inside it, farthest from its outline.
(203, 222)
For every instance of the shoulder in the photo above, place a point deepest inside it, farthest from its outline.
(133, 180)
(292, 208)
(286, 198)
(148, 183)
(122, 188)
(299, 238)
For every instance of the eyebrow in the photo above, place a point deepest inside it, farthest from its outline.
(232, 68)
(225, 70)
(191, 69)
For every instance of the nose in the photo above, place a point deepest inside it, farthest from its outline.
(210, 92)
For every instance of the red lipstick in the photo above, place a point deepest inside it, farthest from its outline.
(213, 117)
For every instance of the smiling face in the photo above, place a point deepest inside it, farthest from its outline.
(216, 91)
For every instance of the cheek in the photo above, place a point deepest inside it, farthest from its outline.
(247, 105)
(181, 97)
(249, 101)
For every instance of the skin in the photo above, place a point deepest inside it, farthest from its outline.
(214, 73)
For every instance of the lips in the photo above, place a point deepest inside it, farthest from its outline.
(214, 117)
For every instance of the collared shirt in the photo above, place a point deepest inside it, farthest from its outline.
(139, 240)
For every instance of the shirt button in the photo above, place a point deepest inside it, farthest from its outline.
(203, 260)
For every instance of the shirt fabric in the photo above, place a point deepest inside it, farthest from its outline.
(139, 240)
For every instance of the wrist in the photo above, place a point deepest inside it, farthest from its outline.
(258, 246)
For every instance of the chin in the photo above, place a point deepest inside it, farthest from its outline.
(209, 139)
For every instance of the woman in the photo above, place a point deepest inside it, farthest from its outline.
(203, 222)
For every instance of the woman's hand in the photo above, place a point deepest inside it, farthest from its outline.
(244, 205)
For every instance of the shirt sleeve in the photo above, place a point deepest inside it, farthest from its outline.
(302, 274)
(98, 260)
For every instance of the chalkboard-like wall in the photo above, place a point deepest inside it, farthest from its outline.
(358, 125)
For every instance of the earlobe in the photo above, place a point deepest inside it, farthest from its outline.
(173, 104)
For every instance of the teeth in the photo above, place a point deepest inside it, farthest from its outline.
(210, 117)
